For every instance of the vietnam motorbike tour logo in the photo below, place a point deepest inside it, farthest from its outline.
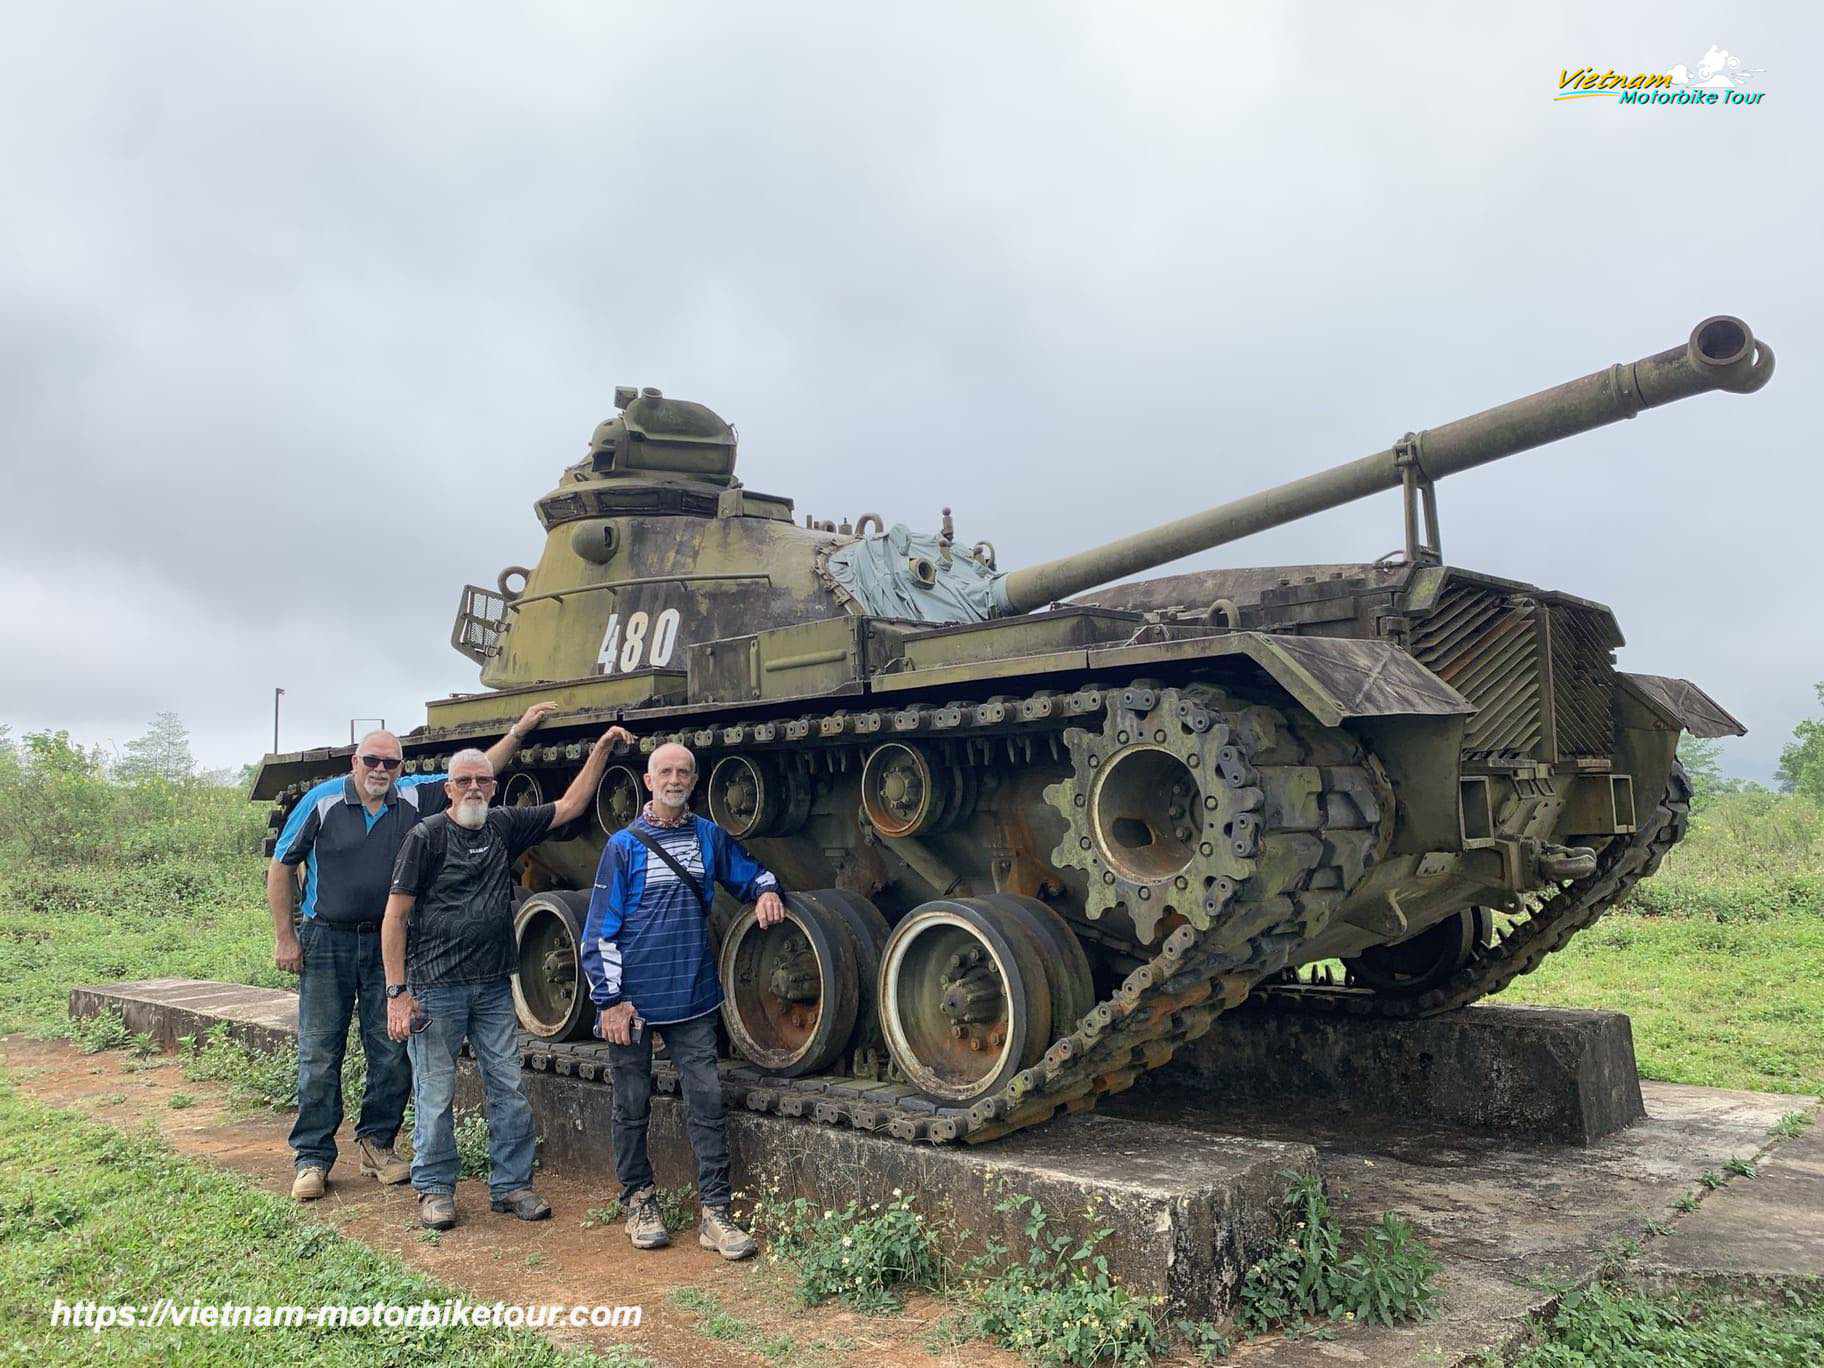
(1718, 78)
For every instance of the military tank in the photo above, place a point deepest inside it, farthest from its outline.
(1039, 832)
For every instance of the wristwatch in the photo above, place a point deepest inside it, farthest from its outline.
(393, 990)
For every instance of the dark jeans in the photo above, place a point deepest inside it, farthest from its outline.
(481, 1013)
(342, 971)
(693, 1050)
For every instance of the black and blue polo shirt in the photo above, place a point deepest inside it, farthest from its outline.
(348, 853)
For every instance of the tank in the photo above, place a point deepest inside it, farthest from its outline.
(1038, 832)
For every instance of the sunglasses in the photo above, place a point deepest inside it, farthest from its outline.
(472, 782)
(385, 762)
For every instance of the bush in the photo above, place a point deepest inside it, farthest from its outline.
(1388, 1279)
(866, 1260)
(1060, 1305)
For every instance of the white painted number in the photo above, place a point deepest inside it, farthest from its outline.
(611, 644)
(636, 642)
(624, 655)
(664, 638)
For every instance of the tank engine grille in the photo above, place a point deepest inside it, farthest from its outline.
(1491, 646)
(1583, 681)
(1485, 645)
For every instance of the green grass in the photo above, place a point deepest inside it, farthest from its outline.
(1718, 957)
(88, 1213)
(1613, 1327)
(170, 885)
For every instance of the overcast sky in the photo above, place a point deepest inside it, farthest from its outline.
(302, 307)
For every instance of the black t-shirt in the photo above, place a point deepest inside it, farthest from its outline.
(461, 929)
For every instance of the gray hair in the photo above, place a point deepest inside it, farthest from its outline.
(471, 756)
(378, 731)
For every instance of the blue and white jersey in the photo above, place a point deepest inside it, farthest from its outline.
(647, 940)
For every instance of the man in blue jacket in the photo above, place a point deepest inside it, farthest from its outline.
(650, 961)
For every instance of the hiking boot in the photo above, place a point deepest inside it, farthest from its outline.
(525, 1204)
(718, 1231)
(380, 1161)
(645, 1223)
(311, 1183)
(436, 1210)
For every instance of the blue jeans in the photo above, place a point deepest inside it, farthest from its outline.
(481, 1013)
(342, 971)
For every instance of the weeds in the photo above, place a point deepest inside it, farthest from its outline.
(1711, 1179)
(255, 1078)
(1687, 1202)
(1741, 1168)
(1388, 1279)
(1060, 1305)
(106, 1030)
(179, 1101)
(1791, 1126)
(1605, 1324)
(864, 1259)
(604, 1215)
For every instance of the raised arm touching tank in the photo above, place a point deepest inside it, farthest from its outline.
(1721, 354)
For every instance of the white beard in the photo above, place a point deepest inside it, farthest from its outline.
(470, 813)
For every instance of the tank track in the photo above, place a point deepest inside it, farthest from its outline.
(1318, 813)
(1549, 928)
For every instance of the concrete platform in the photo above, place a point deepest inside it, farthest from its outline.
(1189, 1173)
(1189, 1211)
(1543, 1073)
(167, 1009)
(1509, 1218)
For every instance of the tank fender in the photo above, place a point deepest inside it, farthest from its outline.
(1682, 704)
(1340, 680)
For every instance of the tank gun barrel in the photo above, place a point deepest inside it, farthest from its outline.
(1721, 354)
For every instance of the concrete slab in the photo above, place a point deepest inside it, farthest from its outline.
(1543, 1073)
(1760, 1233)
(1189, 1211)
(1189, 1173)
(165, 1009)
(1510, 1220)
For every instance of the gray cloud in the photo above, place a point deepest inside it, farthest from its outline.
(300, 310)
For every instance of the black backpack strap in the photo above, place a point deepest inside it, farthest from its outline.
(676, 868)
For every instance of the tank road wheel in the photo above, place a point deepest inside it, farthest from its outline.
(792, 993)
(618, 798)
(971, 990)
(1422, 962)
(753, 795)
(548, 990)
(522, 790)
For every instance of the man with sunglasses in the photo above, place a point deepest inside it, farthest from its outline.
(449, 953)
(345, 834)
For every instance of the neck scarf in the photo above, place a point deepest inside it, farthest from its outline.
(650, 815)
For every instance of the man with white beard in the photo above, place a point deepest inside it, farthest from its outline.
(345, 835)
(448, 947)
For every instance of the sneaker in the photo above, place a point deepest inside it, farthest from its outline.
(645, 1223)
(525, 1204)
(380, 1161)
(436, 1210)
(718, 1231)
(311, 1183)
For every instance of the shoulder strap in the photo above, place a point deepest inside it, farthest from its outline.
(676, 868)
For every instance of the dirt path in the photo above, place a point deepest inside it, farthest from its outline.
(493, 1257)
